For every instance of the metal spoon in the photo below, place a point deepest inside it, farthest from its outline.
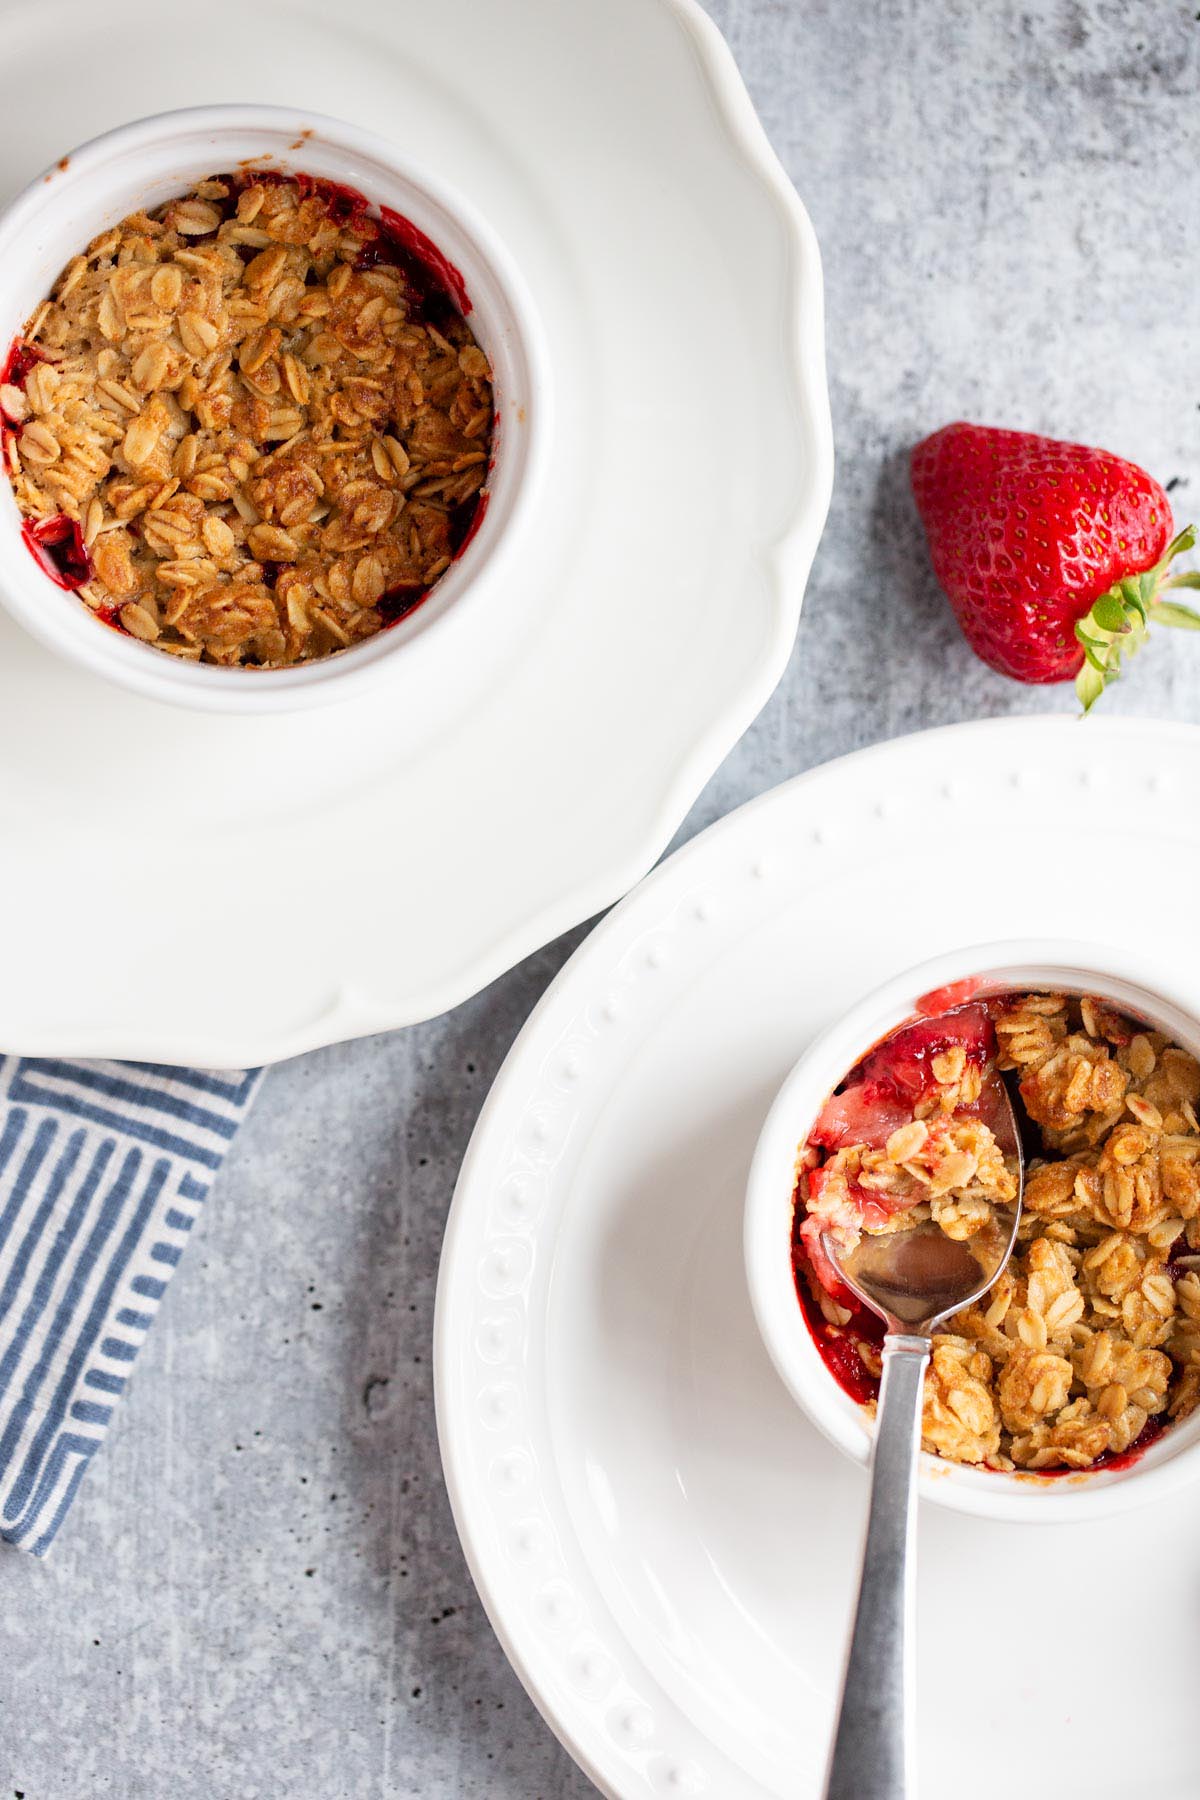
(913, 1280)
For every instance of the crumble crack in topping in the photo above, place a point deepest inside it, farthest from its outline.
(1090, 1340)
(250, 426)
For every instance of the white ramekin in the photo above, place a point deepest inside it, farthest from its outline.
(1168, 1463)
(143, 164)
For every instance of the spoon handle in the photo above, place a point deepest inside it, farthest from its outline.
(873, 1748)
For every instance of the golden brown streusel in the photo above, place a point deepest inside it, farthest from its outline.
(269, 422)
(1093, 1330)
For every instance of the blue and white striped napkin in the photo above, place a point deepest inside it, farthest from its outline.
(104, 1167)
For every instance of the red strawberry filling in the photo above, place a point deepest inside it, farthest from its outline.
(945, 999)
(57, 545)
(810, 1235)
(880, 1096)
(866, 1113)
(904, 1060)
(20, 359)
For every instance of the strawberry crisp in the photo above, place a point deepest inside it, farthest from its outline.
(251, 426)
(1090, 1340)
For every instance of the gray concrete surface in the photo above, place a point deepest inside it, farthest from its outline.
(260, 1592)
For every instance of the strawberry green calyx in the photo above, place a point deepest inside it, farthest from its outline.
(1120, 620)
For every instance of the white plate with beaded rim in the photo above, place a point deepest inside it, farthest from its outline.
(235, 890)
(666, 1546)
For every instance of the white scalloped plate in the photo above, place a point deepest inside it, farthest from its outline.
(228, 891)
(666, 1546)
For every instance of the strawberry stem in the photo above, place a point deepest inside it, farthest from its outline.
(1118, 624)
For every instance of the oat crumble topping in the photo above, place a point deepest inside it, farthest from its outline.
(1091, 1336)
(250, 426)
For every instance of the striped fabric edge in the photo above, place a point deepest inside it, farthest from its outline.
(104, 1170)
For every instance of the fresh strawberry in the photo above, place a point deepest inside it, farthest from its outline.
(1054, 557)
(822, 1267)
